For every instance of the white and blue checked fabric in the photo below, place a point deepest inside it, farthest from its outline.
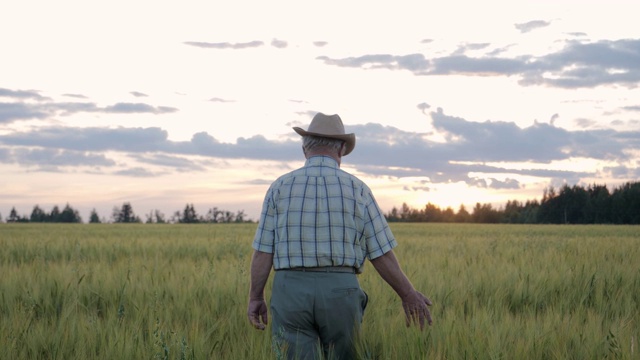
(320, 215)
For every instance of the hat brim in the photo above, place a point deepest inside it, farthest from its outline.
(349, 139)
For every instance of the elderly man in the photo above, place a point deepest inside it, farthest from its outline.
(317, 225)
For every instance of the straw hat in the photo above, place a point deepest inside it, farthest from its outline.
(329, 126)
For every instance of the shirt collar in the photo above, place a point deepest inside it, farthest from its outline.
(322, 160)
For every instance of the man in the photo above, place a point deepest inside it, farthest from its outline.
(317, 225)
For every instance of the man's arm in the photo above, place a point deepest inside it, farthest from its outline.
(414, 303)
(261, 264)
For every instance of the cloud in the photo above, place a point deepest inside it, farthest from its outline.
(578, 64)
(320, 43)
(138, 94)
(14, 111)
(532, 25)
(584, 123)
(506, 184)
(413, 62)
(470, 148)
(22, 94)
(53, 158)
(138, 172)
(225, 45)
(175, 162)
(56, 157)
(129, 108)
(10, 112)
(280, 44)
(581, 64)
(424, 107)
(221, 100)
(75, 96)
(505, 141)
(91, 139)
(470, 47)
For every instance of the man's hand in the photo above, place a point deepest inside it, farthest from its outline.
(414, 303)
(261, 263)
(257, 312)
(416, 308)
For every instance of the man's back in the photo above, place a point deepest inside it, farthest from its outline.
(321, 215)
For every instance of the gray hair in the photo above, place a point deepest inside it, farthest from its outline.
(310, 143)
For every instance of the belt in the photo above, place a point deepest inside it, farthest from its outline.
(328, 269)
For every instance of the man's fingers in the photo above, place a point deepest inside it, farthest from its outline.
(418, 316)
(257, 313)
(417, 310)
(256, 322)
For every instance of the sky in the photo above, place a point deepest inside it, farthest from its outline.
(163, 104)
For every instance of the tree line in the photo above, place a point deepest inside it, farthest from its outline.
(593, 204)
(125, 214)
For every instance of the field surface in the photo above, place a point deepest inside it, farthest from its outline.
(180, 292)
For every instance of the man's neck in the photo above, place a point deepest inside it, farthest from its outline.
(321, 152)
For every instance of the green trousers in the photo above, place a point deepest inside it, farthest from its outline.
(316, 315)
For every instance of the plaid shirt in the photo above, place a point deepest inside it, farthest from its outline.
(319, 215)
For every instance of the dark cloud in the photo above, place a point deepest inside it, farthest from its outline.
(221, 100)
(584, 123)
(532, 25)
(280, 44)
(91, 139)
(138, 94)
(505, 141)
(631, 108)
(75, 96)
(225, 45)
(6, 155)
(259, 182)
(22, 94)
(577, 65)
(506, 184)
(470, 47)
(10, 112)
(412, 62)
(57, 157)
(131, 108)
(464, 65)
(581, 64)
(51, 159)
(138, 172)
(14, 111)
(176, 162)
(423, 107)
(380, 150)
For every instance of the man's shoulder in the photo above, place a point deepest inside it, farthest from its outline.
(287, 176)
(356, 180)
(307, 171)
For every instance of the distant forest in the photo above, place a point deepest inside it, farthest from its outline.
(125, 214)
(593, 204)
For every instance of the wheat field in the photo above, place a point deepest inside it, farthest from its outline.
(136, 291)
